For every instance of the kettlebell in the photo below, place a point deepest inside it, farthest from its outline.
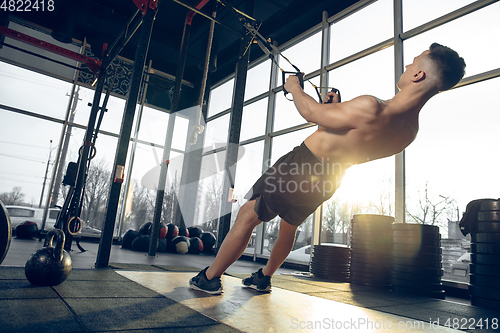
(50, 265)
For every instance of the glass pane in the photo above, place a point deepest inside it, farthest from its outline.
(365, 28)
(416, 12)
(112, 119)
(30, 91)
(305, 55)
(248, 170)
(221, 98)
(371, 75)
(470, 36)
(209, 193)
(451, 164)
(144, 183)
(25, 149)
(254, 120)
(258, 80)
(216, 132)
(286, 115)
(153, 126)
(284, 143)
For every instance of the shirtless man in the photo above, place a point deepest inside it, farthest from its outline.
(360, 130)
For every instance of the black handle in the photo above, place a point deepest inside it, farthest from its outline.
(297, 74)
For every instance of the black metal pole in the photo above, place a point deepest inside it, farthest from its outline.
(124, 140)
(234, 133)
(160, 194)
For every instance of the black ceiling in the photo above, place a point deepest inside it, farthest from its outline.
(102, 20)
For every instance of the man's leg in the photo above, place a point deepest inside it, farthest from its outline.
(236, 240)
(281, 249)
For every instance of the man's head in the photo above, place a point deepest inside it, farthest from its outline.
(449, 66)
(439, 69)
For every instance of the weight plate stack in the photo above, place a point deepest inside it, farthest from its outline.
(416, 260)
(330, 262)
(371, 246)
(484, 269)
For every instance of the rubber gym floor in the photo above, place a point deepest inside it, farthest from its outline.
(138, 293)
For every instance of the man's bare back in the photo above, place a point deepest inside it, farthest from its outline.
(365, 128)
(381, 131)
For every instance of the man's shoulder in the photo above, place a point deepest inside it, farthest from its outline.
(367, 102)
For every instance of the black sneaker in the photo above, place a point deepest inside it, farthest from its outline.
(201, 283)
(258, 281)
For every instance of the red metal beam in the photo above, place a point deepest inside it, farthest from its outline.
(191, 14)
(93, 64)
(144, 4)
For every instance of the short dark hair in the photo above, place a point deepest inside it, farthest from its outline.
(450, 66)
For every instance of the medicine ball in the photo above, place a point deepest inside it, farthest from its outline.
(27, 230)
(208, 240)
(172, 231)
(195, 232)
(163, 230)
(145, 229)
(141, 243)
(162, 245)
(195, 245)
(128, 238)
(181, 244)
(183, 232)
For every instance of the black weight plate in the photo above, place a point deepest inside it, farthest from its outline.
(418, 277)
(371, 236)
(422, 242)
(493, 237)
(381, 254)
(371, 260)
(370, 228)
(417, 256)
(488, 215)
(415, 284)
(332, 253)
(485, 303)
(340, 268)
(417, 263)
(367, 282)
(485, 259)
(485, 281)
(417, 227)
(330, 249)
(329, 274)
(415, 234)
(369, 279)
(485, 248)
(372, 218)
(417, 270)
(369, 272)
(371, 275)
(336, 258)
(489, 204)
(370, 266)
(417, 248)
(5, 232)
(488, 226)
(379, 245)
(485, 270)
(484, 292)
(434, 294)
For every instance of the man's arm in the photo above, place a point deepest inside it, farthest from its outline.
(335, 116)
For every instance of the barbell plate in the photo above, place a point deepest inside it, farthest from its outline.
(493, 237)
